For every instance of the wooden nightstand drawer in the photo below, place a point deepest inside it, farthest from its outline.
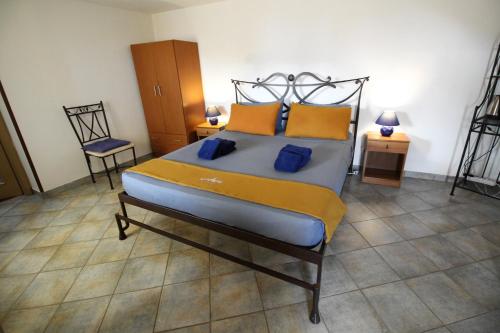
(206, 131)
(387, 146)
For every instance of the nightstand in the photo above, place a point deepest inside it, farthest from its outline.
(206, 129)
(384, 158)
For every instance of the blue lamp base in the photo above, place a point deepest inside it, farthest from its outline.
(386, 130)
(214, 121)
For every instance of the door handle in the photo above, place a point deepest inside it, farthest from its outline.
(154, 90)
(159, 90)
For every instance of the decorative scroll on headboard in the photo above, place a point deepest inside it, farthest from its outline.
(305, 87)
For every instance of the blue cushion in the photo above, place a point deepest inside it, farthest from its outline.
(279, 120)
(105, 145)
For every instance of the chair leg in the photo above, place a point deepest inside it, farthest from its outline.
(107, 172)
(133, 152)
(87, 158)
(116, 164)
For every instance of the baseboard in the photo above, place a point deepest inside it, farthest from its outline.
(420, 175)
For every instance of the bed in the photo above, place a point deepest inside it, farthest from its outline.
(288, 232)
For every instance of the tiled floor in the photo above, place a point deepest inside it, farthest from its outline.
(412, 259)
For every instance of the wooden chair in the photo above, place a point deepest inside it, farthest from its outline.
(91, 128)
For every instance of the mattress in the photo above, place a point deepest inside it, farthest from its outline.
(255, 155)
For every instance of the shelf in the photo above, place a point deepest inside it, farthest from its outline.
(488, 190)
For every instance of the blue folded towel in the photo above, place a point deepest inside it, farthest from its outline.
(292, 158)
(212, 149)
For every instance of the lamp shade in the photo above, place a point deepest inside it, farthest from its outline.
(387, 118)
(212, 111)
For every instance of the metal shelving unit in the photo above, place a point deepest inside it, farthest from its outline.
(482, 143)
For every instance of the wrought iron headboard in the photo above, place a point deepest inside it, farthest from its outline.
(304, 86)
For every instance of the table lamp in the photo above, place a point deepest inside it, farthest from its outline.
(387, 119)
(212, 113)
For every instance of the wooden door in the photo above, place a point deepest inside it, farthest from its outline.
(188, 67)
(9, 186)
(144, 62)
(170, 92)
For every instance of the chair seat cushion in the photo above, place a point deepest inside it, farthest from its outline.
(105, 145)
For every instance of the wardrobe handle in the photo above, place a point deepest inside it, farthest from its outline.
(159, 90)
(154, 90)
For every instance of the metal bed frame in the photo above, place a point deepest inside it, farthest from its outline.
(314, 254)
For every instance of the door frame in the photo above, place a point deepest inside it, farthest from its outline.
(11, 152)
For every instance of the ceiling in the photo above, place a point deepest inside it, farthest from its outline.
(152, 6)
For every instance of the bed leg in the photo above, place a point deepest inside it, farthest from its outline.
(121, 229)
(314, 317)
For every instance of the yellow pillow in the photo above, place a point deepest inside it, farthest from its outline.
(318, 121)
(254, 119)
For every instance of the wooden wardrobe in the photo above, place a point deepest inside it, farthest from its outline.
(169, 77)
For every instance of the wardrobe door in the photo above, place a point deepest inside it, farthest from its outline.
(169, 90)
(188, 68)
(144, 55)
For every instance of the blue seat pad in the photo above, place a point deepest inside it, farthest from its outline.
(105, 145)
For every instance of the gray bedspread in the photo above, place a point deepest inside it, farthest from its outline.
(255, 155)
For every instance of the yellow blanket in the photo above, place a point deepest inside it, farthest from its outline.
(313, 200)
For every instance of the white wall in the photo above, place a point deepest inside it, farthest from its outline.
(65, 52)
(427, 59)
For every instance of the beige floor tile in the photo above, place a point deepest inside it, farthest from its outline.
(95, 281)
(276, 293)
(88, 231)
(356, 211)
(400, 309)
(11, 288)
(51, 236)
(267, 257)
(159, 221)
(203, 328)
(112, 249)
(183, 304)
(149, 243)
(348, 313)
(71, 255)
(30, 320)
(112, 231)
(48, 288)
(6, 257)
(29, 261)
(54, 204)
(234, 294)
(16, 240)
(255, 322)
(24, 208)
(133, 312)
(36, 221)
(191, 232)
(80, 316)
(9, 223)
(293, 319)
(69, 216)
(376, 232)
(88, 200)
(187, 265)
(101, 212)
(445, 298)
(143, 273)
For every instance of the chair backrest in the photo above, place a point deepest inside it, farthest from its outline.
(88, 121)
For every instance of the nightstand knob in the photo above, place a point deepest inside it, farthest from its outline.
(387, 146)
